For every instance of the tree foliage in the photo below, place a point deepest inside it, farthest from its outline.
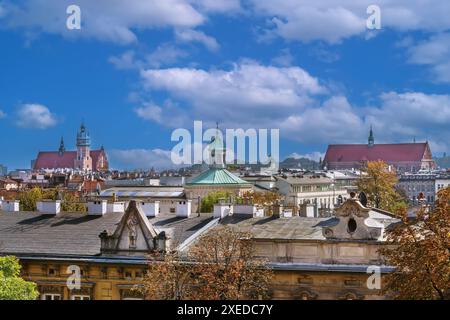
(29, 198)
(208, 202)
(220, 266)
(12, 287)
(420, 251)
(69, 203)
(379, 185)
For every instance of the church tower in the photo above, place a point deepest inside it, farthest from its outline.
(371, 138)
(83, 160)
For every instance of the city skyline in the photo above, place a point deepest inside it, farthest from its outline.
(318, 74)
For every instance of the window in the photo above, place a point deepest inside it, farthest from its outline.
(351, 226)
(51, 272)
(80, 297)
(128, 275)
(51, 296)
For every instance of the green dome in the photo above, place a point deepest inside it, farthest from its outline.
(217, 176)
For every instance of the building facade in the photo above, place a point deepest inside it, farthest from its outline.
(83, 158)
(418, 186)
(312, 194)
(108, 247)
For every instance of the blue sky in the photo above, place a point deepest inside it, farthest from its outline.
(139, 69)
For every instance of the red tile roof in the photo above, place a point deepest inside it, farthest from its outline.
(52, 159)
(387, 152)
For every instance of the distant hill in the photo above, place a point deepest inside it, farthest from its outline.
(443, 162)
(300, 163)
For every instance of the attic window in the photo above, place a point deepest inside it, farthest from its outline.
(351, 226)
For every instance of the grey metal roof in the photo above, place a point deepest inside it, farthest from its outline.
(295, 228)
(77, 234)
(179, 229)
(68, 233)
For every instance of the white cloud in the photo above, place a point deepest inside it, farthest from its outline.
(168, 115)
(333, 121)
(102, 19)
(2, 114)
(125, 61)
(141, 158)
(164, 54)
(335, 20)
(251, 95)
(247, 91)
(434, 52)
(316, 155)
(190, 35)
(218, 6)
(35, 116)
(284, 59)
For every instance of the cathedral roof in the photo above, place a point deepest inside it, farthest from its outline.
(55, 159)
(386, 152)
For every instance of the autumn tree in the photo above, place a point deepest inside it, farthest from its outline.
(72, 203)
(12, 287)
(219, 266)
(379, 185)
(227, 268)
(261, 199)
(419, 249)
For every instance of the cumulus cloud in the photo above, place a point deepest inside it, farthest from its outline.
(251, 95)
(433, 52)
(190, 35)
(141, 158)
(164, 54)
(247, 91)
(335, 20)
(35, 116)
(218, 6)
(2, 114)
(168, 115)
(106, 20)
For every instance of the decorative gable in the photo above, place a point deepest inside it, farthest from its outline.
(353, 222)
(133, 235)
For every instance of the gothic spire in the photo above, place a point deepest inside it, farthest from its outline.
(371, 138)
(62, 148)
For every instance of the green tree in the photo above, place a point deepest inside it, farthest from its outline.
(29, 198)
(12, 287)
(379, 185)
(207, 204)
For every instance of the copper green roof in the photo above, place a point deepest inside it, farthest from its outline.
(216, 176)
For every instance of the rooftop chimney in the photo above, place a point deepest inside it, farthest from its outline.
(222, 209)
(97, 207)
(49, 206)
(10, 205)
(151, 209)
(183, 208)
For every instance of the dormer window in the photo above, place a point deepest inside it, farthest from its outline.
(351, 225)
